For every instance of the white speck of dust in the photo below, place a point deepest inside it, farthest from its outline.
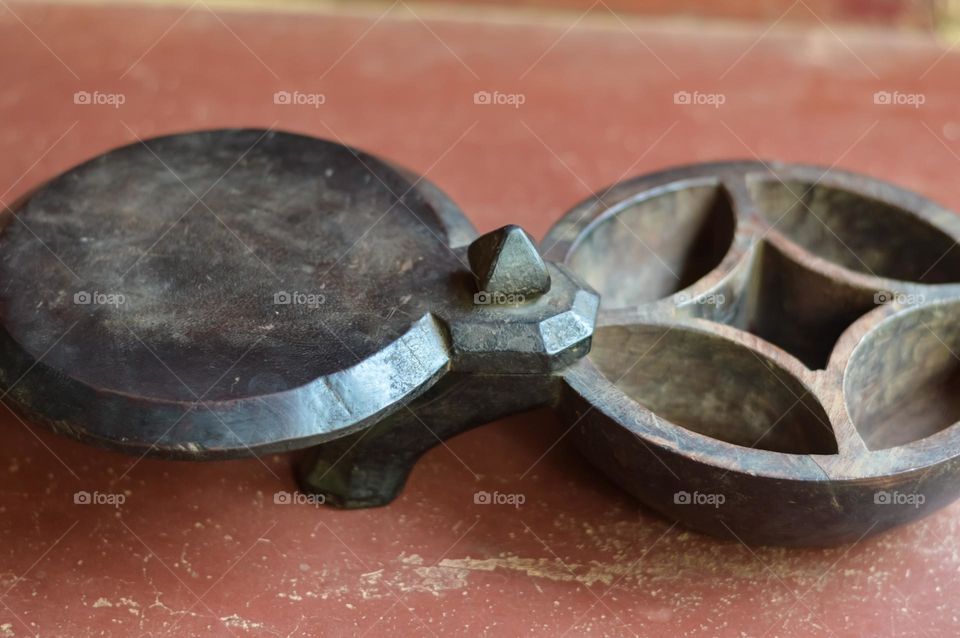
(240, 623)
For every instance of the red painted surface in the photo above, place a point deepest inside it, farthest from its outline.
(200, 549)
(896, 13)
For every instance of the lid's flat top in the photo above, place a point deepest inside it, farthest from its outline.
(219, 265)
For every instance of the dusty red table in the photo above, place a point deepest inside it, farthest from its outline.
(203, 549)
